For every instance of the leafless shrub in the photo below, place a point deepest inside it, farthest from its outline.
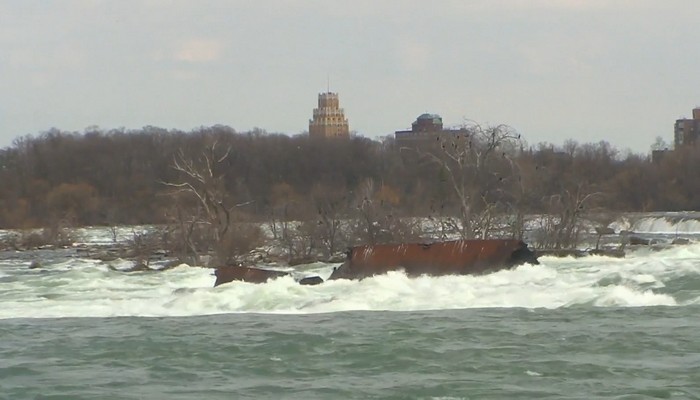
(238, 241)
(142, 245)
(376, 219)
(55, 236)
(562, 227)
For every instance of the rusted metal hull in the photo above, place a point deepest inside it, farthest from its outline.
(458, 257)
(245, 274)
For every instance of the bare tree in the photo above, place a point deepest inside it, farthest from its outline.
(660, 144)
(602, 220)
(476, 163)
(209, 213)
(297, 230)
(330, 206)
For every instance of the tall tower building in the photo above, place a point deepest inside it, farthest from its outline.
(329, 119)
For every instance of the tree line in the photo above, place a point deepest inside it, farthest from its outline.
(480, 183)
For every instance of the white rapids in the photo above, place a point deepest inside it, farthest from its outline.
(88, 288)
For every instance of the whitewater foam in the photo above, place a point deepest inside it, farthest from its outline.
(87, 288)
(685, 223)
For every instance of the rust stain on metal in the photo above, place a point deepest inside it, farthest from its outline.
(457, 257)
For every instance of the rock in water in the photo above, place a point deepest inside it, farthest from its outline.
(245, 274)
(311, 280)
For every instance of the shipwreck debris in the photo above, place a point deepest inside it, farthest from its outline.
(456, 257)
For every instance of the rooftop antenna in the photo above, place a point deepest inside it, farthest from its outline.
(328, 83)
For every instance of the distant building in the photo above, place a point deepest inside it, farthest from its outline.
(329, 119)
(426, 129)
(658, 155)
(686, 131)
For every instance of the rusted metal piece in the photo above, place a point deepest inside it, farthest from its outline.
(245, 274)
(458, 257)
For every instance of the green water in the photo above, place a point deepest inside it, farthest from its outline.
(499, 353)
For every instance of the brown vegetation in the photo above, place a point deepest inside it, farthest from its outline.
(213, 187)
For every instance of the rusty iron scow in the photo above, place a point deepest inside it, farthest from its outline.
(457, 257)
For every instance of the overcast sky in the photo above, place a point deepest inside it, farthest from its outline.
(588, 70)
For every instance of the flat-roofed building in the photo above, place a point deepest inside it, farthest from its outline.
(686, 131)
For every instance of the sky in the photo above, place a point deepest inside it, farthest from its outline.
(589, 70)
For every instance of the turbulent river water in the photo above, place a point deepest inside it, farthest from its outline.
(593, 327)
